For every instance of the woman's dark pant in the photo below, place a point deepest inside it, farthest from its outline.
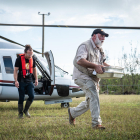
(28, 88)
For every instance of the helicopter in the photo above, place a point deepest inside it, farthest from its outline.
(54, 84)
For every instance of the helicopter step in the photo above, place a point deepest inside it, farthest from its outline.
(64, 102)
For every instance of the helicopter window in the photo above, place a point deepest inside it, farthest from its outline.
(58, 72)
(8, 64)
(44, 62)
(39, 74)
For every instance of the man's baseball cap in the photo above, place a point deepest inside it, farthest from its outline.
(100, 31)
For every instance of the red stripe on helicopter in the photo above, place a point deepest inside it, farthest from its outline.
(5, 81)
(74, 86)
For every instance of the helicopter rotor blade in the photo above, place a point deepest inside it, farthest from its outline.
(72, 26)
(11, 41)
(4, 38)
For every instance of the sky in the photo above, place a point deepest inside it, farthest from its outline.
(63, 42)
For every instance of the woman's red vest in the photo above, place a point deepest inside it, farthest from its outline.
(23, 65)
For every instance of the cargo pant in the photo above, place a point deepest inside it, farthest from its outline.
(91, 102)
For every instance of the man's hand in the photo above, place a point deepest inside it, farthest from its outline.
(36, 82)
(17, 84)
(99, 69)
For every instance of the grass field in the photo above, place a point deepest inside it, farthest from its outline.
(120, 114)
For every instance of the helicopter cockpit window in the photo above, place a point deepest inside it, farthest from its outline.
(58, 72)
(8, 64)
(39, 74)
(44, 62)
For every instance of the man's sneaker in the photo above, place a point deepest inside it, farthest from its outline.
(100, 127)
(71, 119)
(27, 114)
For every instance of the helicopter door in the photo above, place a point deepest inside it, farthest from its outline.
(0, 79)
(50, 60)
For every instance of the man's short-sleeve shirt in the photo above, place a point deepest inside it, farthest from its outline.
(82, 53)
(28, 78)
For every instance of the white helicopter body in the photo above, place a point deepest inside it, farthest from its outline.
(55, 86)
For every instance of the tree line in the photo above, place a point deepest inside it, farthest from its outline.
(130, 83)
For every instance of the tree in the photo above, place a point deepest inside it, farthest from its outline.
(131, 63)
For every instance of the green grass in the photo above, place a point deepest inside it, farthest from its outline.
(120, 114)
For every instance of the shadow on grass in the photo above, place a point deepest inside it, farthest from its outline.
(5, 108)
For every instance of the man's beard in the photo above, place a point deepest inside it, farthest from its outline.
(98, 42)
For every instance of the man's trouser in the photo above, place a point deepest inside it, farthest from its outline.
(91, 102)
(29, 87)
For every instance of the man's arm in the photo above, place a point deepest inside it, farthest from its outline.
(35, 75)
(84, 63)
(15, 76)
